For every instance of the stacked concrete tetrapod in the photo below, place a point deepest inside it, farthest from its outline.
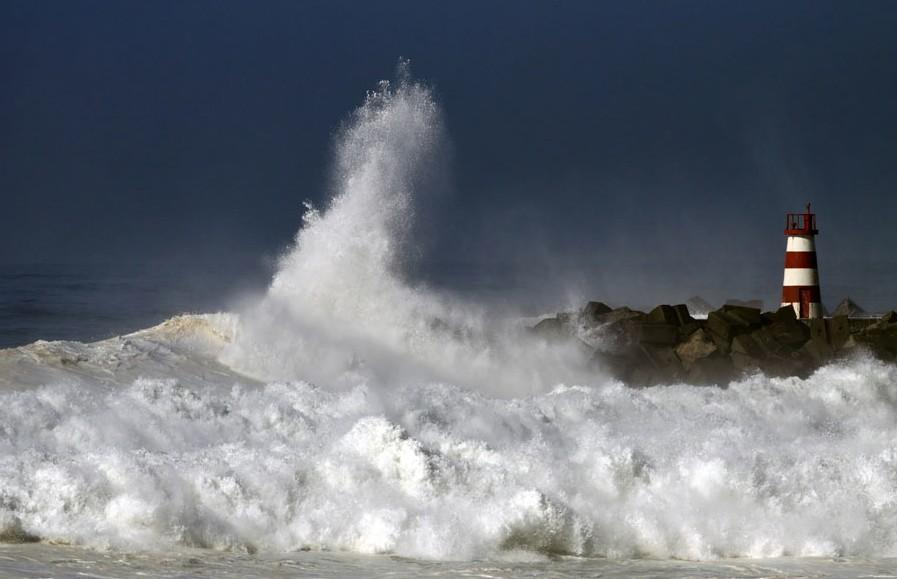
(800, 288)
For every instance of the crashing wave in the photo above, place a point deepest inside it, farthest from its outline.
(349, 409)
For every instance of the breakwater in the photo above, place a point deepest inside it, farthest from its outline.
(668, 345)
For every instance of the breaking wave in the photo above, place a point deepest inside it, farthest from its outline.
(350, 409)
(340, 310)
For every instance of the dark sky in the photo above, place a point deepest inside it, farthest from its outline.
(632, 148)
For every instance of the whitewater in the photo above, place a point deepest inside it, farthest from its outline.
(352, 418)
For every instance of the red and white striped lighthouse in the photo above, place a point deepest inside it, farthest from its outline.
(800, 289)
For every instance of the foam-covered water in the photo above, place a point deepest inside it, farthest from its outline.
(350, 410)
(206, 458)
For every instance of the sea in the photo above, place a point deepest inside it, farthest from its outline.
(330, 417)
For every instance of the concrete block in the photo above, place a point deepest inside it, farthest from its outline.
(747, 316)
(746, 345)
(699, 345)
(838, 330)
(594, 311)
(656, 333)
(663, 314)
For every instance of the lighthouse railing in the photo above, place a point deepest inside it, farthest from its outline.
(800, 224)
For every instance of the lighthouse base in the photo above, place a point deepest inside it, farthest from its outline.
(806, 310)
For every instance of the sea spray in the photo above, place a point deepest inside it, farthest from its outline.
(340, 308)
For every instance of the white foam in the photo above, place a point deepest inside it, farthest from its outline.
(768, 467)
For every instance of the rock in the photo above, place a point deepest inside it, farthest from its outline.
(686, 330)
(729, 321)
(850, 345)
(712, 370)
(754, 304)
(551, 329)
(620, 314)
(655, 365)
(888, 319)
(791, 364)
(760, 350)
(747, 345)
(620, 327)
(744, 362)
(848, 308)
(687, 324)
(774, 349)
(655, 333)
(787, 330)
(882, 346)
(818, 350)
(783, 314)
(817, 347)
(881, 337)
(838, 330)
(663, 358)
(683, 314)
(748, 316)
(859, 325)
(618, 365)
(663, 315)
(817, 329)
(594, 311)
(667, 344)
(697, 347)
(659, 326)
(719, 325)
(765, 339)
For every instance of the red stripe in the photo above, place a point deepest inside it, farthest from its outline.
(800, 259)
(791, 293)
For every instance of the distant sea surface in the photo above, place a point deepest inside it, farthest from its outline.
(88, 302)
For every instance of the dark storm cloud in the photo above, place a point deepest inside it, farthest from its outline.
(634, 150)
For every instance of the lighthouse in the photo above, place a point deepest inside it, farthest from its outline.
(800, 288)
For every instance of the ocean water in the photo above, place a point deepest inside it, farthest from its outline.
(93, 301)
(64, 562)
(349, 421)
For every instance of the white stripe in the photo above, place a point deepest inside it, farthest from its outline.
(800, 243)
(815, 310)
(801, 277)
